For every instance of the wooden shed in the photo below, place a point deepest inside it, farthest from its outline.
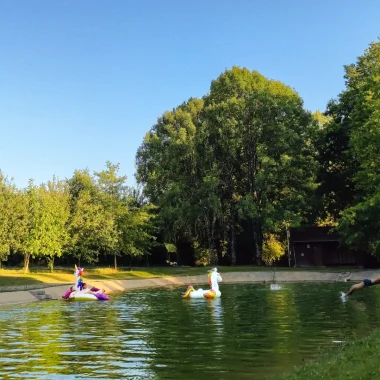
(322, 247)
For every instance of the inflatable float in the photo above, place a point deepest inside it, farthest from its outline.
(213, 278)
(79, 292)
(80, 296)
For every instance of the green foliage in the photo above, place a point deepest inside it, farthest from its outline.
(47, 214)
(170, 247)
(247, 157)
(84, 216)
(337, 164)
(136, 231)
(322, 120)
(202, 254)
(245, 151)
(91, 228)
(55, 199)
(11, 217)
(361, 102)
(348, 145)
(131, 221)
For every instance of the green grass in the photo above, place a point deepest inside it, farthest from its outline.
(42, 275)
(350, 361)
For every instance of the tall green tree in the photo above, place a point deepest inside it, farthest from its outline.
(262, 141)
(91, 225)
(12, 217)
(112, 189)
(136, 230)
(91, 229)
(31, 243)
(336, 162)
(47, 212)
(169, 167)
(245, 151)
(359, 220)
(55, 215)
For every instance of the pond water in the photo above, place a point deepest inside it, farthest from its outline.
(249, 333)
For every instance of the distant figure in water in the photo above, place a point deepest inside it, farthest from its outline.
(364, 284)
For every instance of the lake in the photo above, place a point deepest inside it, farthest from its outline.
(249, 333)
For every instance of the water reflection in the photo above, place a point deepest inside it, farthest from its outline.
(216, 308)
(248, 333)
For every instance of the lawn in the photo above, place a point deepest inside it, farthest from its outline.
(351, 361)
(42, 275)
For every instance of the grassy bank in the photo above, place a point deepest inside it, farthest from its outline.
(14, 277)
(350, 361)
(42, 275)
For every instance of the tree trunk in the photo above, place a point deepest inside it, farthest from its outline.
(115, 261)
(233, 236)
(219, 251)
(212, 253)
(50, 261)
(26, 262)
(257, 233)
(211, 244)
(233, 246)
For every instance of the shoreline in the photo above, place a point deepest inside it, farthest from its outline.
(14, 297)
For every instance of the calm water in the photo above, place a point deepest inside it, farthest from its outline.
(249, 333)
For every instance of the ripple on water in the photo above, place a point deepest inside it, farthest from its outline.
(249, 333)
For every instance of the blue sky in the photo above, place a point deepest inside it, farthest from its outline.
(81, 82)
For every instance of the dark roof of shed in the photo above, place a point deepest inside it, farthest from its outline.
(313, 234)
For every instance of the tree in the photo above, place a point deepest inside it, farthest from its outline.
(169, 167)
(10, 217)
(246, 151)
(337, 165)
(112, 190)
(359, 220)
(91, 229)
(91, 226)
(272, 249)
(321, 119)
(44, 233)
(55, 215)
(31, 244)
(262, 141)
(136, 231)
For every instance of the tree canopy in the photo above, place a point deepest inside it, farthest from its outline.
(243, 152)
(220, 180)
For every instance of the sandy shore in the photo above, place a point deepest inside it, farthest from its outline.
(55, 292)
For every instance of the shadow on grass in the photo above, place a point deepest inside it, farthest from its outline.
(42, 275)
(18, 280)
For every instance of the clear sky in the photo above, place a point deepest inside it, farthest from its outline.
(81, 82)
